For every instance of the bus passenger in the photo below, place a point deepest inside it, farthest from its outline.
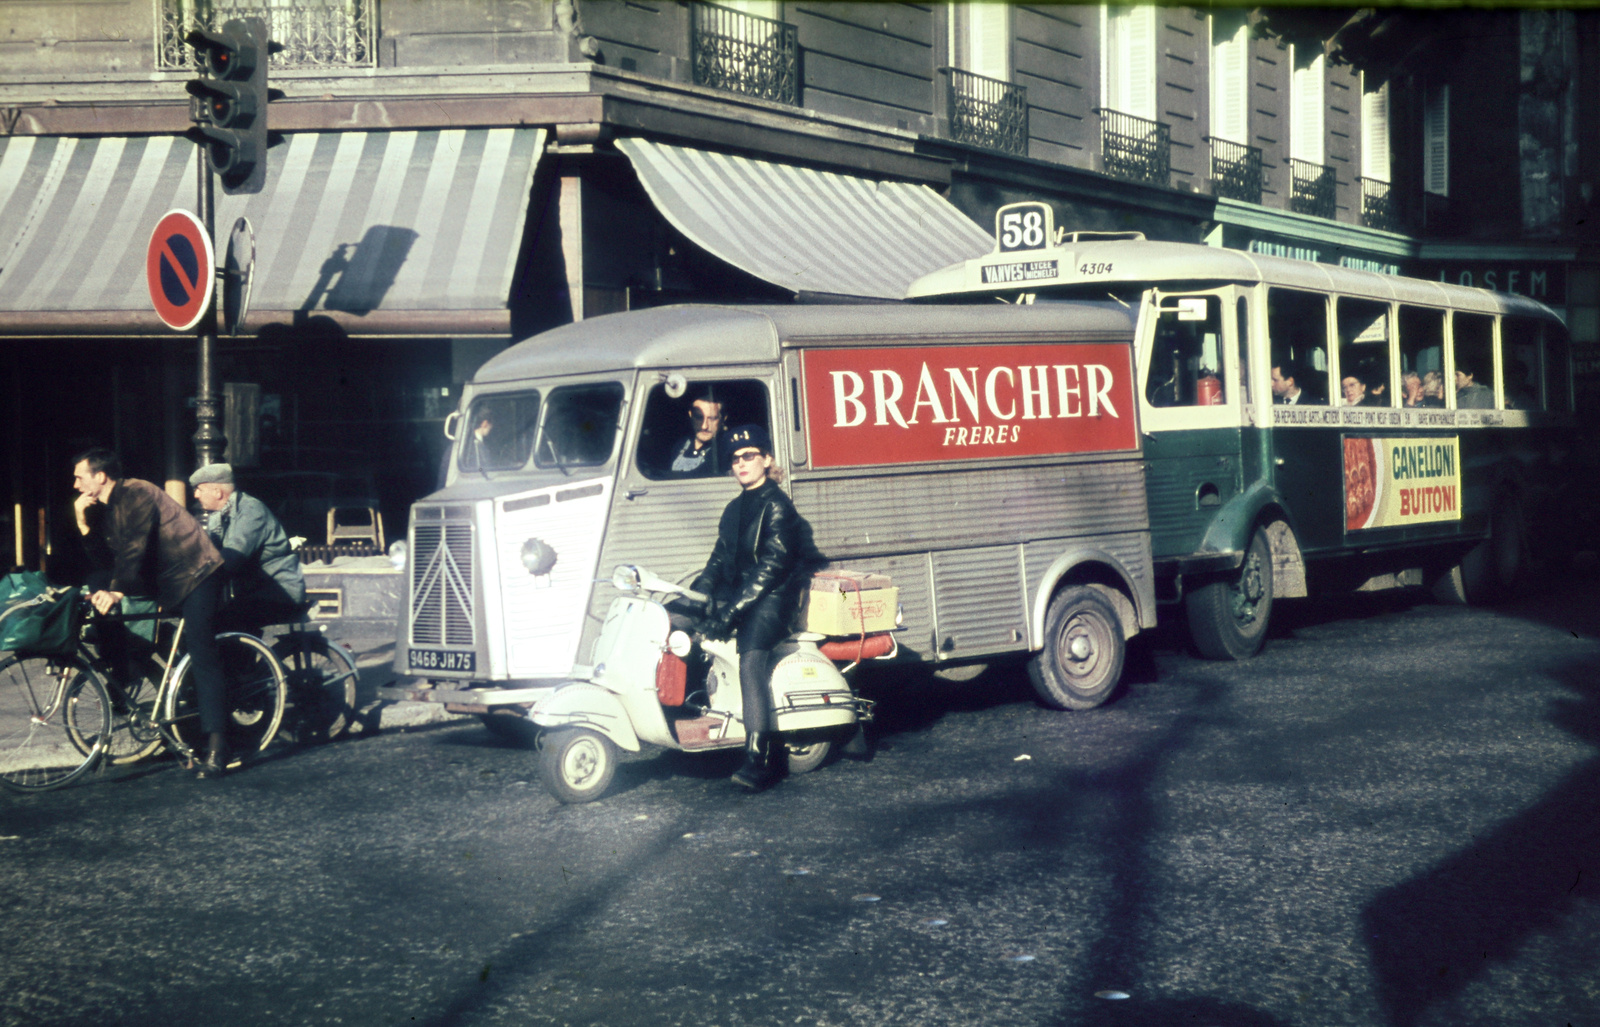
(1433, 389)
(1355, 391)
(1469, 394)
(752, 581)
(1285, 384)
(1415, 390)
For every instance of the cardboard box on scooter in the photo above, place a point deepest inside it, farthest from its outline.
(851, 613)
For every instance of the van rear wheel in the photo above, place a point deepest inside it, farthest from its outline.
(577, 764)
(1228, 616)
(1083, 652)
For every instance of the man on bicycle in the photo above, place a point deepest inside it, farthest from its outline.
(150, 544)
(257, 560)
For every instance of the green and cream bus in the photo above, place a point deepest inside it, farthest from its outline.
(1309, 427)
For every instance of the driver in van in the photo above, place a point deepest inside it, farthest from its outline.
(752, 580)
(696, 455)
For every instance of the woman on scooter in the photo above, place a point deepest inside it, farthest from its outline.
(752, 581)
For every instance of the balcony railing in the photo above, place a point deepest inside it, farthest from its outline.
(1134, 148)
(1377, 206)
(987, 112)
(1313, 189)
(314, 33)
(1235, 170)
(745, 53)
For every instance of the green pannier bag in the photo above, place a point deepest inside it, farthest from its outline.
(14, 588)
(45, 624)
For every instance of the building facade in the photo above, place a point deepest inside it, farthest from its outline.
(456, 174)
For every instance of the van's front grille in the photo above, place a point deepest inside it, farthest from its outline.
(442, 611)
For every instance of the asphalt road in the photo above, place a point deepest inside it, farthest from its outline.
(1391, 818)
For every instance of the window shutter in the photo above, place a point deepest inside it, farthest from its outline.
(1436, 141)
(1375, 132)
(1230, 111)
(1306, 109)
(980, 39)
(1141, 42)
(759, 8)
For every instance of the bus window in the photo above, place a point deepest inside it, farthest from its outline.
(1364, 353)
(1186, 357)
(1519, 359)
(1474, 352)
(1243, 311)
(1297, 330)
(681, 438)
(1421, 357)
(580, 425)
(499, 432)
(1557, 368)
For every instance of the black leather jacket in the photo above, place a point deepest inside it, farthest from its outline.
(771, 551)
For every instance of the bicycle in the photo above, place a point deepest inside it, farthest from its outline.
(322, 683)
(141, 713)
(55, 718)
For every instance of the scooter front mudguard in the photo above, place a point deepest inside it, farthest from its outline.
(590, 706)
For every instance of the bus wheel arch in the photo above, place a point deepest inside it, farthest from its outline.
(1495, 568)
(1228, 614)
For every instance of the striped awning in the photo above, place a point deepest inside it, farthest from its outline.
(385, 232)
(804, 230)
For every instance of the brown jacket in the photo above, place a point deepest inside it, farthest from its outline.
(151, 544)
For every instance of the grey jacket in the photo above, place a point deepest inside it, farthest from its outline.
(255, 551)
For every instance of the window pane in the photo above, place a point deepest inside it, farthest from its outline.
(1364, 353)
(580, 426)
(681, 438)
(1297, 329)
(1422, 357)
(1186, 356)
(1474, 348)
(1519, 359)
(1557, 368)
(499, 432)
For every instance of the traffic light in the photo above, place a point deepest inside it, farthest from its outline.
(231, 116)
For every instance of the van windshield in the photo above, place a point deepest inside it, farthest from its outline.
(499, 432)
(581, 425)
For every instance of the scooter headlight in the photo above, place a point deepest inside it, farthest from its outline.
(679, 644)
(625, 577)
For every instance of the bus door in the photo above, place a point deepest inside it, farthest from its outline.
(1191, 410)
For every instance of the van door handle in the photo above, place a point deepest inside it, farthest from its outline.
(635, 493)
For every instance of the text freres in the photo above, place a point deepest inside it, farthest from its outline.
(1030, 392)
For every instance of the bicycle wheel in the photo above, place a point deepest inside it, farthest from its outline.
(55, 717)
(322, 686)
(134, 715)
(254, 700)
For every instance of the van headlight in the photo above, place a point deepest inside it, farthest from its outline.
(538, 556)
(398, 553)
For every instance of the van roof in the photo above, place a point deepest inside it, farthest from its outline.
(1124, 261)
(696, 335)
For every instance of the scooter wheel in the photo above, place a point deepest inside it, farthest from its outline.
(577, 764)
(806, 754)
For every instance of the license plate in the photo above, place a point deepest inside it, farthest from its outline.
(443, 659)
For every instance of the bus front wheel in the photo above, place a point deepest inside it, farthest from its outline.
(1228, 616)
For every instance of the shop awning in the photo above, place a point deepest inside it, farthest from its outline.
(807, 231)
(394, 233)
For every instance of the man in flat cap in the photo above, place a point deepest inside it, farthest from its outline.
(256, 556)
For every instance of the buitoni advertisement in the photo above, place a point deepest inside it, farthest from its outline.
(923, 404)
(1393, 482)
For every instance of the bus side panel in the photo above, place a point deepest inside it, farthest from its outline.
(940, 510)
(1309, 475)
(1183, 465)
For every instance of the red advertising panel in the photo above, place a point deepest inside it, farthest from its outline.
(920, 404)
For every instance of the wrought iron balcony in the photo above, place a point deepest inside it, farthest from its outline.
(987, 112)
(314, 33)
(1235, 170)
(1313, 189)
(745, 53)
(1378, 206)
(1135, 148)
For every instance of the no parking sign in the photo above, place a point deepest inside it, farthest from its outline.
(181, 269)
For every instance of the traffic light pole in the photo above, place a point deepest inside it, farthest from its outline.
(209, 442)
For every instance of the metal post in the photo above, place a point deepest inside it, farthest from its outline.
(208, 438)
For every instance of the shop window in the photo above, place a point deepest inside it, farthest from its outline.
(1186, 354)
(1364, 353)
(1474, 361)
(1297, 332)
(580, 425)
(498, 432)
(682, 436)
(1422, 382)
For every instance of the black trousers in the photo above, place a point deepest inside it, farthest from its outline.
(199, 610)
(755, 686)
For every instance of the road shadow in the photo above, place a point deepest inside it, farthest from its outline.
(1437, 933)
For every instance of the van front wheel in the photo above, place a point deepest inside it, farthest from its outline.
(1083, 652)
(1228, 616)
(577, 764)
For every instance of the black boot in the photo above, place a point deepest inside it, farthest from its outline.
(760, 770)
(215, 762)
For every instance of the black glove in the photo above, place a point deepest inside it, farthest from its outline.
(716, 623)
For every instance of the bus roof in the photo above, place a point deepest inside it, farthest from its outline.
(703, 335)
(1138, 262)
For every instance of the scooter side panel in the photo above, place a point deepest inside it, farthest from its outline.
(587, 706)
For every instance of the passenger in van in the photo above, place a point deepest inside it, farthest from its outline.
(1469, 394)
(753, 583)
(696, 455)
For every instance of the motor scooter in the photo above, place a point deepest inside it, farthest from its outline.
(652, 681)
